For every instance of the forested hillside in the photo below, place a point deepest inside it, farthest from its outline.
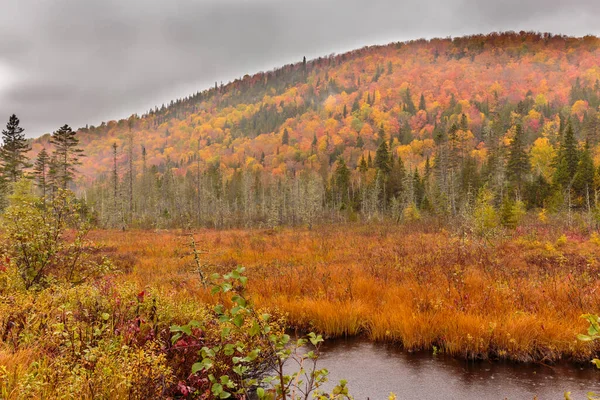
(488, 125)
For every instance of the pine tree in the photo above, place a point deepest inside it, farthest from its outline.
(66, 153)
(40, 170)
(508, 213)
(369, 161)
(397, 178)
(381, 134)
(382, 158)
(464, 122)
(418, 187)
(567, 159)
(422, 105)
(13, 158)
(304, 66)
(342, 179)
(362, 166)
(285, 138)
(408, 102)
(518, 165)
(52, 179)
(583, 180)
(360, 142)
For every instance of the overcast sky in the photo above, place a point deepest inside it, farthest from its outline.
(86, 61)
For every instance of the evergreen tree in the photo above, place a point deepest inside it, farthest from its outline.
(381, 134)
(52, 179)
(342, 180)
(13, 158)
(583, 180)
(427, 169)
(518, 165)
(464, 123)
(285, 138)
(422, 105)
(304, 66)
(382, 158)
(408, 102)
(538, 192)
(369, 161)
(396, 179)
(567, 159)
(362, 166)
(418, 188)
(509, 213)
(40, 170)
(66, 154)
(359, 142)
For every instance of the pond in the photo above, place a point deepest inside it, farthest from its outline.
(374, 370)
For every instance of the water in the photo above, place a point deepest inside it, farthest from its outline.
(374, 370)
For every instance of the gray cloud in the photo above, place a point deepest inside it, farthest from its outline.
(85, 61)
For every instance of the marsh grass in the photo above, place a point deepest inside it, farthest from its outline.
(516, 297)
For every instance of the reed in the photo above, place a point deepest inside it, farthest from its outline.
(517, 297)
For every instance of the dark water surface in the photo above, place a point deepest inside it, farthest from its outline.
(374, 370)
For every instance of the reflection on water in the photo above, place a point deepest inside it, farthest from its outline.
(375, 370)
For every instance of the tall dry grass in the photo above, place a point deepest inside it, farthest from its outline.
(517, 297)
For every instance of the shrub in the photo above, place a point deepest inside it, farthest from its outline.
(46, 240)
(486, 218)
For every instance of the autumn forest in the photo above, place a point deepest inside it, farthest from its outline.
(441, 196)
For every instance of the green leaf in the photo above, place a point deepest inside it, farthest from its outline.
(239, 300)
(252, 355)
(255, 329)
(207, 363)
(219, 309)
(175, 338)
(223, 318)
(238, 320)
(185, 329)
(226, 287)
(197, 367)
(229, 349)
(225, 331)
(217, 389)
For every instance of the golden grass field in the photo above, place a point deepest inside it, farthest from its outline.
(519, 296)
